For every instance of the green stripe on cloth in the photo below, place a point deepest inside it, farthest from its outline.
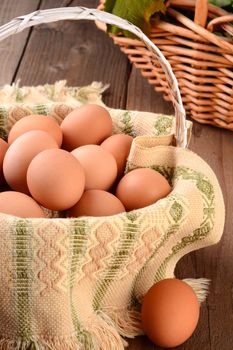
(171, 230)
(41, 109)
(3, 122)
(206, 188)
(128, 237)
(79, 238)
(22, 256)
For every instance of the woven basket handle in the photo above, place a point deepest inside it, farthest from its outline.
(218, 21)
(201, 12)
(79, 13)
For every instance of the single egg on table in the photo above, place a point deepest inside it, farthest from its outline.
(170, 312)
(3, 149)
(96, 203)
(56, 179)
(36, 122)
(19, 204)
(89, 124)
(99, 166)
(19, 155)
(119, 146)
(142, 187)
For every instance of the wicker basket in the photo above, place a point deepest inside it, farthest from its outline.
(201, 60)
(78, 283)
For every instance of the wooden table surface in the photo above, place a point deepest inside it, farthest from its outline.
(80, 53)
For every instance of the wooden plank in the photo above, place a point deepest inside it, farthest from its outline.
(141, 95)
(216, 146)
(77, 52)
(12, 48)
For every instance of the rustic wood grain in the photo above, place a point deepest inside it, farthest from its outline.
(75, 51)
(216, 146)
(79, 53)
(12, 48)
(141, 95)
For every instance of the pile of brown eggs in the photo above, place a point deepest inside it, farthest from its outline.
(76, 168)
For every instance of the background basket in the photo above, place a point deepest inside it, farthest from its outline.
(201, 60)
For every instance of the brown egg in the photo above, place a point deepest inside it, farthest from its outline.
(142, 187)
(36, 122)
(55, 179)
(96, 203)
(89, 124)
(170, 312)
(99, 166)
(119, 145)
(19, 204)
(3, 149)
(19, 155)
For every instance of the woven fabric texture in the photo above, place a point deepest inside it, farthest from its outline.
(70, 284)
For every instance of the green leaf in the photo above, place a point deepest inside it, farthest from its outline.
(108, 5)
(221, 3)
(137, 12)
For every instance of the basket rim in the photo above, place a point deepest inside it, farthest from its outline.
(223, 17)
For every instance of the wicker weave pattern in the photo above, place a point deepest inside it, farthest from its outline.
(201, 60)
